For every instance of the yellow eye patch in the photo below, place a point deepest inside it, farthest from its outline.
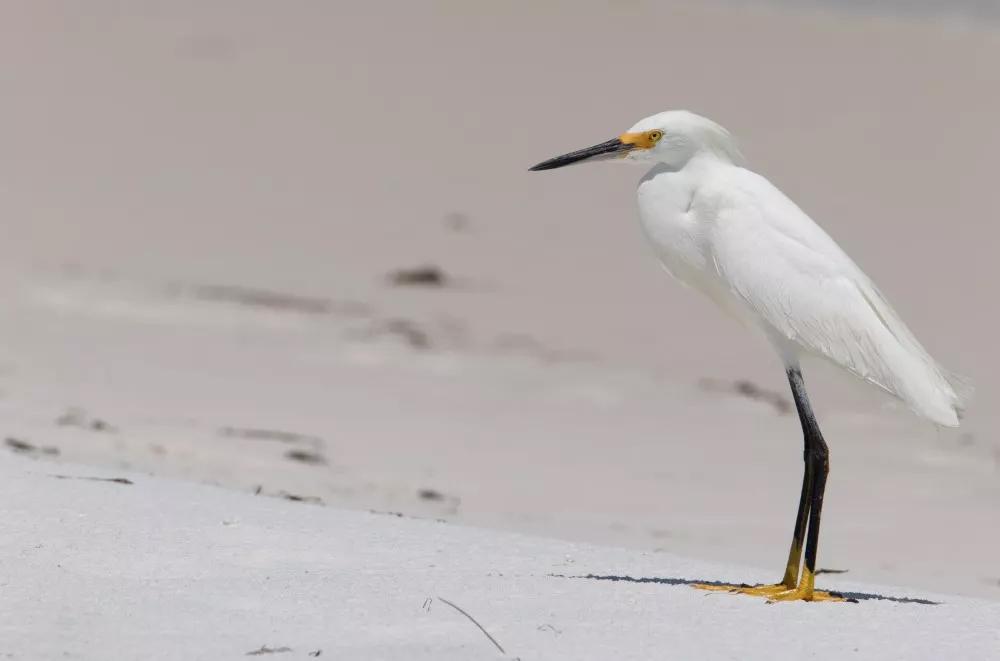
(644, 140)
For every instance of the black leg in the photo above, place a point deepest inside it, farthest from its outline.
(791, 577)
(817, 460)
(816, 457)
(821, 468)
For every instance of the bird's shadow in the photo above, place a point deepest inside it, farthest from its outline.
(849, 596)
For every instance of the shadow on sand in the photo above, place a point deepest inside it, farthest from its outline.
(849, 596)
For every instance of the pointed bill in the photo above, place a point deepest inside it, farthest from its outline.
(602, 152)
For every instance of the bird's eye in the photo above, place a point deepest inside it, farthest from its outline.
(655, 135)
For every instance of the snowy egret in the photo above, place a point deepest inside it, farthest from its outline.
(732, 235)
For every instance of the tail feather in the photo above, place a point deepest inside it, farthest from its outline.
(928, 388)
(962, 388)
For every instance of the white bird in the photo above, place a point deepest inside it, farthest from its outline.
(731, 234)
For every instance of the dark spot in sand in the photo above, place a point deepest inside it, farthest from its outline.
(750, 390)
(383, 513)
(24, 447)
(270, 300)
(296, 498)
(831, 571)
(315, 500)
(116, 480)
(264, 649)
(430, 494)
(306, 457)
(269, 435)
(316, 653)
(79, 418)
(262, 298)
(19, 446)
(419, 276)
(435, 496)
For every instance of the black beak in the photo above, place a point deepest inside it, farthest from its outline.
(603, 151)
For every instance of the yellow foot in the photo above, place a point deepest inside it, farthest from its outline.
(719, 587)
(778, 592)
(754, 590)
(801, 594)
(768, 591)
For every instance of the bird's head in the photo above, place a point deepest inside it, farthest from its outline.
(673, 138)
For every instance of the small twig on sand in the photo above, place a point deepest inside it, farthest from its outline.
(116, 480)
(264, 649)
(473, 620)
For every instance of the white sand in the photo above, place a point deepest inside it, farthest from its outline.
(164, 570)
(156, 151)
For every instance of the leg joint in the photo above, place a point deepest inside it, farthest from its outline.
(818, 456)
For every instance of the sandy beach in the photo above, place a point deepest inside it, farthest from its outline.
(157, 569)
(297, 253)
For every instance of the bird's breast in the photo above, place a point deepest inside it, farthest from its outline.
(678, 223)
(672, 225)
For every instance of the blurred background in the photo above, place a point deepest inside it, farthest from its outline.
(294, 248)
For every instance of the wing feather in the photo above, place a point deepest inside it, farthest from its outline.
(806, 290)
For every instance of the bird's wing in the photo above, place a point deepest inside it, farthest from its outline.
(806, 290)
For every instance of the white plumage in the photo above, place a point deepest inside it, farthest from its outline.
(731, 234)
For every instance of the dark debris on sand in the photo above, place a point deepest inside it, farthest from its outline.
(295, 498)
(262, 298)
(79, 418)
(255, 434)
(264, 649)
(306, 457)
(419, 276)
(430, 494)
(746, 388)
(24, 447)
(115, 480)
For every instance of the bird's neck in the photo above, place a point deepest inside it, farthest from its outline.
(704, 160)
